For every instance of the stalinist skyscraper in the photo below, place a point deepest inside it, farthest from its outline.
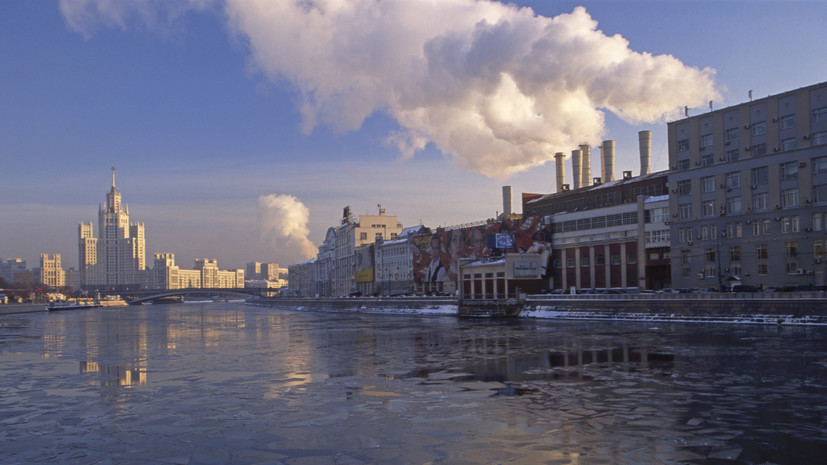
(117, 257)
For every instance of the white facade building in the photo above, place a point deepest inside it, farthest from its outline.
(117, 257)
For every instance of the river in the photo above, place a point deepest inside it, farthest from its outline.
(230, 383)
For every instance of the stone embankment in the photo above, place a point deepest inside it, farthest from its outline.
(10, 309)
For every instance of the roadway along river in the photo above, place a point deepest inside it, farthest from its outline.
(229, 383)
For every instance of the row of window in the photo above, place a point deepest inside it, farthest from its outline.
(711, 267)
(600, 260)
(603, 221)
(756, 129)
(763, 227)
(759, 176)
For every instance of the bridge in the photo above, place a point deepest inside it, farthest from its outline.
(147, 295)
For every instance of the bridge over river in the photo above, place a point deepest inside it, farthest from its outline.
(148, 295)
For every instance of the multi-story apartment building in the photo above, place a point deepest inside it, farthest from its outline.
(10, 267)
(51, 271)
(352, 235)
(205, 274)
(394, 272)
(117, 257)
(748, 187)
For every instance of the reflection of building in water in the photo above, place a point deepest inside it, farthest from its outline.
(115, 375)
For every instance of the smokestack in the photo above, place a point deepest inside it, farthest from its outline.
(507, 200)
(575, 168)
(607, 155)
(645, 139)
(586, 165)
(561, 170)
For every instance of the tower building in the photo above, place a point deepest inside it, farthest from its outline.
(115, 258)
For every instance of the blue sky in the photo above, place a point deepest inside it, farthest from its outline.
(201, 121)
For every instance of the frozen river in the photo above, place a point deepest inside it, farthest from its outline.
(229, 383)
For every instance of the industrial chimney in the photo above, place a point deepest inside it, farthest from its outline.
(507, 200)
(645, 139)
(561, 170)
(607, 158)
(586, 164)
(575, 168)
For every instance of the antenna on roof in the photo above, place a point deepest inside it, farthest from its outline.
(750, 95)
(710, 105)
(686, 111)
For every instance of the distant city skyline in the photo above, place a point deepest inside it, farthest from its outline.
(231, 146)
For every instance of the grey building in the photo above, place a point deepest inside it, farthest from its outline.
(748, 193)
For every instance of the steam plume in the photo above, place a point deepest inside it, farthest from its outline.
(496, 87)
(283, 224)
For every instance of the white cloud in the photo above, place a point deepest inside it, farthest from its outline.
(497, 88)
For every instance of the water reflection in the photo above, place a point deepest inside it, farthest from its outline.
(194, 382)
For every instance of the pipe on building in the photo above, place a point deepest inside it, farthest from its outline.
(607, 156)
(586, 165)
(561, 170)
(575, 168)
(645, 140)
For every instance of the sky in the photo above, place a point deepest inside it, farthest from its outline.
(240, 130)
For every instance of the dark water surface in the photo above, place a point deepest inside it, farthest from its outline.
(229, 383)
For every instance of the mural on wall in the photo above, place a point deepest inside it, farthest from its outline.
(436, 256)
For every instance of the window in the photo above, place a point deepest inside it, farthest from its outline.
(787, 122)
(765, 226)
(686, 257)
(761, 252)
(789, 171)
(785, 225)
(708, 208)
(735, 253)
(759, 202)
(731, 134)
(570, 262)
(734, 230)
(760, 176)
(615, 259)
(818, 249)
(819, 165)
(732, 180)
(363, 236)
(820, 114)
(711, 271)
(685, 211)
(705, 232)
(733, 205)
(735, 269)
(685, 187)
(708, 184)
(584, 261)
(710, 254)
(601, 260)
(762, 269)
(732, 155)
(683, 145)
(378, 235)
(658, 215)
(685, 235)
(795, 223)
(631, 258)
(759, 128)
(706, 141)
(789, 144)
(759, 149)
(820, 138)
(817, 221)
(683, 165)
(789, 198)
(791, 249)
(708, 160)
